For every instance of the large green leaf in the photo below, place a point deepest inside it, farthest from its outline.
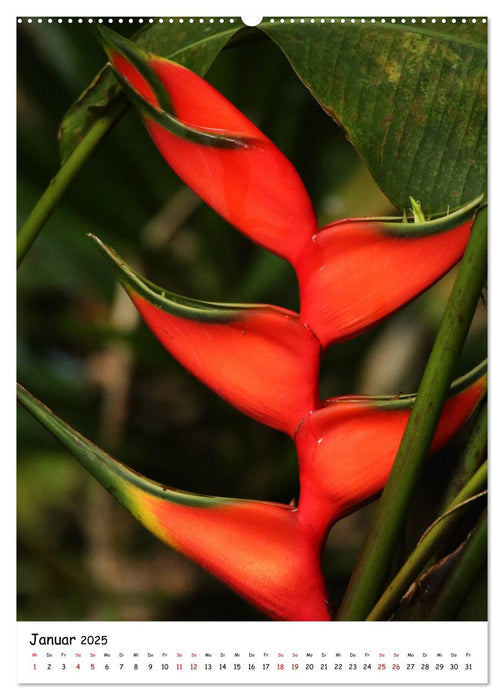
(411, 98)
(194, 45)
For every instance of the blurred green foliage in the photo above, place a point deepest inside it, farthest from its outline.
(84, 353)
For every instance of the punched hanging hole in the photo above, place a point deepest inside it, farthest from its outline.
(251, 21)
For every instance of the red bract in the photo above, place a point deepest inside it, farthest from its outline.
(261, 550)
(356, 272)
(347, 448)
(259, 358)
(216, 150)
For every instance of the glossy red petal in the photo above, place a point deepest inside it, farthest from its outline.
(260, 550)
(259, 358)
(356, 272)
(243, 176)
(347, 449)
(264, 362)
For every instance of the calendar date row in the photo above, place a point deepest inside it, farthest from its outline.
(124, 666)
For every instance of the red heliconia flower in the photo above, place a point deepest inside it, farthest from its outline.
(259, 358)
(347, 448)
(356, 272)
(260, 550)
(353, 273)
(215, 149)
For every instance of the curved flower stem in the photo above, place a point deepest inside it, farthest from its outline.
(467, 568)
(60, 182)
(371, 570)
(427, 546)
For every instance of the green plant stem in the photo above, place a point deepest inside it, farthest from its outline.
(60, 182)
(426, 547)
(459, 583)
(371, 570)
(472, 456)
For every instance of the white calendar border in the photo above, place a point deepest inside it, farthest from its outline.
(7, 368)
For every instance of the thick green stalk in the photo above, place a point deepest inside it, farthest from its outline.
(472, 456)
(371, 570)
(60, 182)
(459, 583)
(427, 546)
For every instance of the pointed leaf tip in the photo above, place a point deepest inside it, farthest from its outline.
(258, 549)
(259, 358)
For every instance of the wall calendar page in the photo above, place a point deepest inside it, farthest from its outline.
(252, 341)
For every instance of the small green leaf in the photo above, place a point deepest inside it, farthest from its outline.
(416, 209)
(411, 98)
(194, 46)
